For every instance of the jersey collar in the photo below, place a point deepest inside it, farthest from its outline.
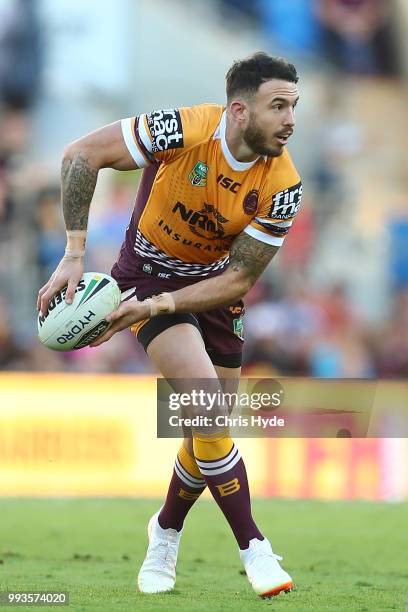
(232, 162)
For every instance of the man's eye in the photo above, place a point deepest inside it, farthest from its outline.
(277, 107)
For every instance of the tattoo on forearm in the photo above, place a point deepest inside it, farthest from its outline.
(78, 180)
(251, 254)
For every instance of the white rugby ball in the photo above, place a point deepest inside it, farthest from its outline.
(65, 327)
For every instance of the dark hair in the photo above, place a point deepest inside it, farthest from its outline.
(245, 76)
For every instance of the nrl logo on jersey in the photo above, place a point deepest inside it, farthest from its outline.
(286, 203)
(198, 175)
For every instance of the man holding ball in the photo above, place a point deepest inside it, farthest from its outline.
(217, 197)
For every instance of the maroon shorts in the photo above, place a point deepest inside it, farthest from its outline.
(221, 328)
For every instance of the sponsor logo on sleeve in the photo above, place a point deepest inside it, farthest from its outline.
(166, 130)
(286, 203)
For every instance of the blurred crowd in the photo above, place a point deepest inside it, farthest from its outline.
(297, 322)
(318, 333)
(356, 36)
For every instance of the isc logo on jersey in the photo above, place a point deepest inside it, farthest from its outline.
(286, 203)
(166, 130)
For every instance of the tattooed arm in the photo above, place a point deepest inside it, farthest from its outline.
(82, 160)
(81, 163)
(248, 259)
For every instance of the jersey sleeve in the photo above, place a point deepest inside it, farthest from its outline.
(278, 207)
(163, 135)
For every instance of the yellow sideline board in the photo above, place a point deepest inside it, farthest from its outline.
(95, 435)
(80, 435)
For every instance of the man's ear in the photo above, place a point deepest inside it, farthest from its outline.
(239, 110)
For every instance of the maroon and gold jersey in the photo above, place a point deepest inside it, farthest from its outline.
(195, 197)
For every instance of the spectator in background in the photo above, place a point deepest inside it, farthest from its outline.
(241, 8)
(13, 141)
(51, 241)
(340, 139)
(398, 240)
(358, 35)
(20, 54)
(391, 341)
(290, 26)
(308, 333)
(20, 70)
(299, 249)
(341, 348)
(5, 203)
(279, 331)
(106, 234)
(11, 354)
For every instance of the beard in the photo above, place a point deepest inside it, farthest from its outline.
(256, 141)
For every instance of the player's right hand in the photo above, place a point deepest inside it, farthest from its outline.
(69, 272)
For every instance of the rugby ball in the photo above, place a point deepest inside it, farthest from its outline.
(66, 327)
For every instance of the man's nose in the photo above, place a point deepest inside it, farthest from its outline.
(290, 117)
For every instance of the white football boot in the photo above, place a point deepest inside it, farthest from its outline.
(158, 571)
(263, 570)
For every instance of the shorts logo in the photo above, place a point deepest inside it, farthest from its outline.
(286, 203)
(147, 268)
(198, 175)
(228, 488)
(166, 130)
(250, 202)
(238, 327)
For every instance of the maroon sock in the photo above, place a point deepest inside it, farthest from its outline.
(184, 490)
(227, 480)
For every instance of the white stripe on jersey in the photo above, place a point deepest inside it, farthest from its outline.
(273, 222)
(273, 240)
(144, 136)
(132, 147)
(145, 248)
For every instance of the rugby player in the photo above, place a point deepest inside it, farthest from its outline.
(216, 199)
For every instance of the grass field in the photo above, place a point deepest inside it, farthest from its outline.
(342, 556)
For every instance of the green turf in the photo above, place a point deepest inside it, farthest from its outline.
(342, 556)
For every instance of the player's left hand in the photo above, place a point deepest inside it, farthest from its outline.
(127, 314)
